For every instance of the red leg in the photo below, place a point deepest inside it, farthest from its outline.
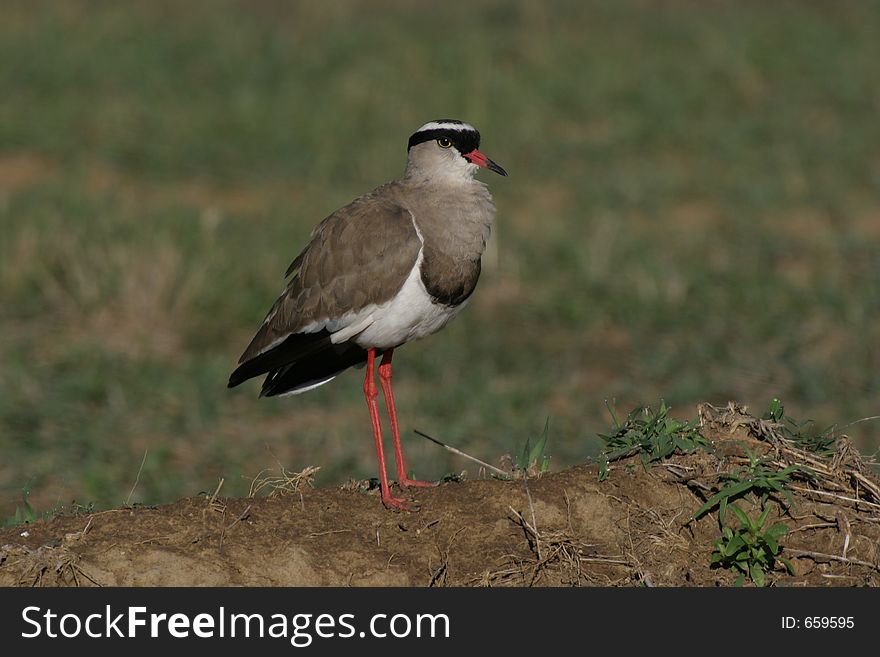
(385, 380)
(370, 392)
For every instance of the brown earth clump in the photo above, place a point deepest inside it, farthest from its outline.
(635, 528)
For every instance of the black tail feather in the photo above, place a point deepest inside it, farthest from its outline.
(295, 347)
(313, 370)
(301, 360)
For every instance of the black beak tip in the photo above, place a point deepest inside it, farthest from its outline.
(497, 168)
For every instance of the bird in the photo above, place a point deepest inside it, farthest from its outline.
(394, 265)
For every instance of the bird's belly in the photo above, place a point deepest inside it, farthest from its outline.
(411, 315)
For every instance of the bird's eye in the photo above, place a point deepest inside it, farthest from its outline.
(444, 142)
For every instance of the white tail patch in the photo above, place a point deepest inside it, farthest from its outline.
(299, 391)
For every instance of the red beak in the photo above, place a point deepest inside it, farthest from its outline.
(476, 157)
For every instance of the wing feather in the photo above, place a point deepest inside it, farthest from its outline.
(358, 258)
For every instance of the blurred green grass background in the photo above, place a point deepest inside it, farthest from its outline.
(692, 213)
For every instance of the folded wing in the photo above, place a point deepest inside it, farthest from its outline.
(356, 262)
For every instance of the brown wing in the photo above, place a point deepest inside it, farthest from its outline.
(359, 256)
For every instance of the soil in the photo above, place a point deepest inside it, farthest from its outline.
(566, 528)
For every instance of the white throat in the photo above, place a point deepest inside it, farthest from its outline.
(456, 171)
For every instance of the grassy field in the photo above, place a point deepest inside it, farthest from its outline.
(692, 213)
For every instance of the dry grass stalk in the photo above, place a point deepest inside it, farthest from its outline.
(559, 548)
(47, 566)
(825, 558)
(847, 471)
(241, 516)
(284, 483)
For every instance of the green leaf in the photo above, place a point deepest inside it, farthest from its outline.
(734, 546)
(614, 417)
(727, 491)
(538, 450)
(740, 580)
(756, 572)
(762, 519)
(775, 410)
(777, 530)
(775, 485)
(741, 515)
(524, 457)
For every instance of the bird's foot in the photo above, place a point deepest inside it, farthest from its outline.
(399, 504)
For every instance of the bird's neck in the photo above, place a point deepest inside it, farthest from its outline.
(454, 214)
(442, 175)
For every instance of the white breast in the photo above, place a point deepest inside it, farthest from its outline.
(410, 315)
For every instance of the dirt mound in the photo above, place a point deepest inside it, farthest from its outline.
(636, 527)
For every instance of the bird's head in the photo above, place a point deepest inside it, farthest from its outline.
(447, 148)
